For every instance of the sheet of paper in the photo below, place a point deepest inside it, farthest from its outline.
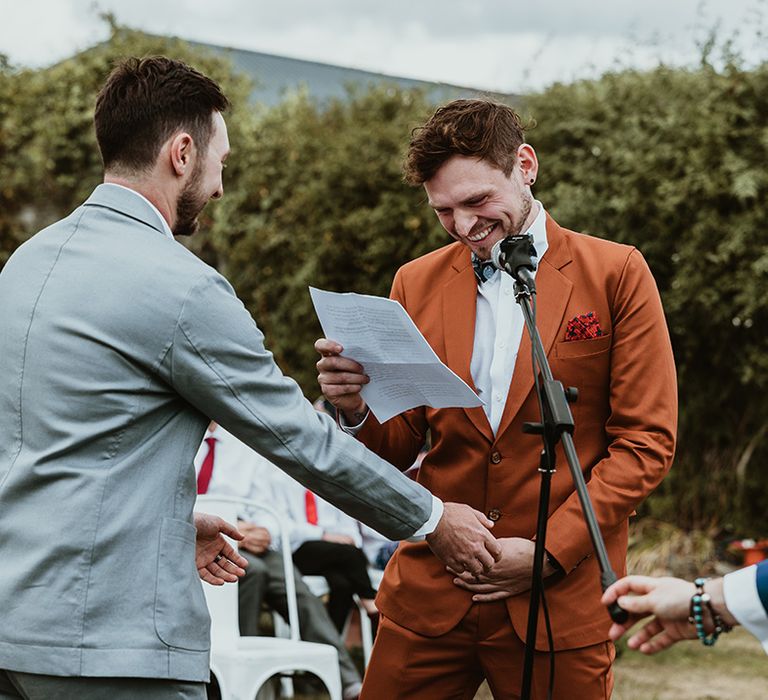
(405, 372)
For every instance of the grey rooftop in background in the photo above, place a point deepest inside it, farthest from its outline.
(273, 76)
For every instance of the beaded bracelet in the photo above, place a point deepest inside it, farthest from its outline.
(698, 601)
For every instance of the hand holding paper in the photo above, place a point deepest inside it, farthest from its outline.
(404, 371)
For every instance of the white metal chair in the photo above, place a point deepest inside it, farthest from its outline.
(242, 665)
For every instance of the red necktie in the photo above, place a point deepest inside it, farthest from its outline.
(206, 470)
(310, 503)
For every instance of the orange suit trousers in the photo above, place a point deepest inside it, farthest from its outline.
(409, 666)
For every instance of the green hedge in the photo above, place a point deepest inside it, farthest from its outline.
(672, 161)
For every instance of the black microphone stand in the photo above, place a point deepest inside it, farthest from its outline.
(556, 426)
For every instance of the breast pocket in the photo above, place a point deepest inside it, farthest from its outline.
(181, 615)
(586, 365)
(567, 349)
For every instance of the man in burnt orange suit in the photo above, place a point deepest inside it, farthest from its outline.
(603, 328)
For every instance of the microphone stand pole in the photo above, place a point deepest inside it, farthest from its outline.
(557, 426)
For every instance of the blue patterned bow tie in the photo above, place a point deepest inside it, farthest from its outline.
(484, 269)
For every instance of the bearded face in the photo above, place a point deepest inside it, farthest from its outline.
(205, 181)
(190, 203)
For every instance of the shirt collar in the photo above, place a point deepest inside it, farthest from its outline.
(166, 228)
(215, 433)
(538, 229)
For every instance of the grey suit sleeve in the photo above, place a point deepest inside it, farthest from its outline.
(218, 363)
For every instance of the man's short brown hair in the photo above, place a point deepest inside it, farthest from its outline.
(144, 102)
(481, 129)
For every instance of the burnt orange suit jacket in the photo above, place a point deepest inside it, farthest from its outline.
(625, 419)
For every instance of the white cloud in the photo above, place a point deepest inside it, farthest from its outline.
(37, 33)
(492, 44)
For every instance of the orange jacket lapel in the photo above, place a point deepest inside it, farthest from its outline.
(459, 313)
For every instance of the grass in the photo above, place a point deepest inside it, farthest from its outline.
(736, 668)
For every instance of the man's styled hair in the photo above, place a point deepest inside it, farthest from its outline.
(481, 129)
(144, 102)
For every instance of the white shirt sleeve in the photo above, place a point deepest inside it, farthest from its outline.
(335, 521)
(742, 599)
(304, 532)
(352, 429)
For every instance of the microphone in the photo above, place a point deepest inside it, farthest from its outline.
(514, 255)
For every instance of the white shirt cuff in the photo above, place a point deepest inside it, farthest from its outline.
(352, 429)
(742, 599)
(429, 527)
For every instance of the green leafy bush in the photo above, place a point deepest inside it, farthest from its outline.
(670, 160)
(673, 161)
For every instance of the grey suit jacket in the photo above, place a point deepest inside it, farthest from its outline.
(117, 345)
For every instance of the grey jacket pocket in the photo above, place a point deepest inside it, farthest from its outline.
(181, 615)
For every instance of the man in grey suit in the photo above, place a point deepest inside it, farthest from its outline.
(118, 345)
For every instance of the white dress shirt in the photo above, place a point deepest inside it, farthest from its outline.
(499, 329)
(241, 472)
(290, 498)
(742, 599)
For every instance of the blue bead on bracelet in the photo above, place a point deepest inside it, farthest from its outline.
(700, 600)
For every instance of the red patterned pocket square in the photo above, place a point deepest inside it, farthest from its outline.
(583, 326)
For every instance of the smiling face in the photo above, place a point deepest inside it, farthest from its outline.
(478, 204)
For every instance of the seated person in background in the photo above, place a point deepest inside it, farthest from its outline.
(377, 548)
(326, 542)
(227, 467)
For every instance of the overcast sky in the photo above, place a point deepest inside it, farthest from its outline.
(502, 45)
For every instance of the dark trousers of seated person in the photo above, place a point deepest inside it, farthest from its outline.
(264, 581)
(345, 568)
